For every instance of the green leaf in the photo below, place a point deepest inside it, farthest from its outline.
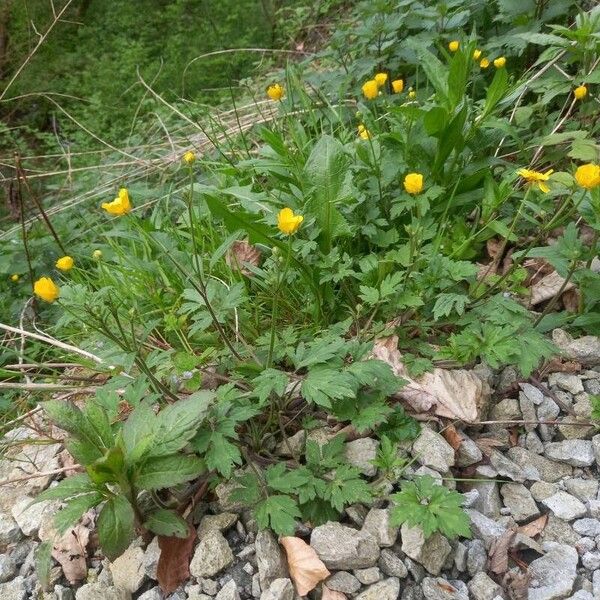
(457, 79)
(167, 523)
(221, 455)
(278, 512)
(185, 361)
(167, 471)
(65, 518)
(496, 91)
(115, 526)
(43, 563)
(138, 433)
(322, 385)
(346, 487)
(270, 381)
(283, 480)
(108, 469)
(178, 423)
(67, 488)
(325, 170)
(425, 504)
(447, 303)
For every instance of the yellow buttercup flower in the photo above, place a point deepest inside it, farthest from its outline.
(485, 63)
(189, 157)
(454, 45)
(412, 93)
(288, 222)
(500, 62)
(476, 54)
(275, 92)
(15, 277)
(65, 263)
(580, 92)
(370, 89)
(46, 289)
(381, 78)
(97, 254)
(363, 132)
(398, 85)
(537, 178)
(120, 205)
(588, 176)
(413, 183)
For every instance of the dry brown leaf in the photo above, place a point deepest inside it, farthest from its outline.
(70, 552)
(517, 585)
(571, 300)
(446, 587)
(243, 253)
(306, 568)
(493, 246)
(174, 562)
(535, 527)
(547, 287)
(452, 436)
(455, 394)
(499, 552)
(487, 445)
(331, 594)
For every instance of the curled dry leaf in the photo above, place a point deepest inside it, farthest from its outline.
(243, 253)
(535, 527)
(174, 561)
(499, 552)
(547, 287)
(306, 568)
(331, 594)
(70, 552)
(452, 436)
(455, 394)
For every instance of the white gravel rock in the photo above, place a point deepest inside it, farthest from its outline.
(10, 532)
(378, 525)
(361, 453)
(553, 575)
(565, 506)
(97, 591)
(577, 453)
(431, 552)
(588, 527)
(128, 570)
(342, 547)
(520, 502)
(211, 556)
(432, 450)
(388, 589)
(269, 558)
(483, 587)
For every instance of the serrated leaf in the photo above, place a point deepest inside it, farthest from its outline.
(167, 471)
(447, 303)
(67, 488)
(138, 433)
(268, 382)
(65, 518)
(322, 385)
(279, 512)
(167, 523)
(177, 424)
(283, 480)
(115, 526)
(221, 455)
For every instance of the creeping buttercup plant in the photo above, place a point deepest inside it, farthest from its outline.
(401, 192)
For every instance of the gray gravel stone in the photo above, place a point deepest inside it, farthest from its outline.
(269, 558)
(8, 567)
(211, 556)
(96, 591)
(341, 547)
(591, 560)
(488, 500)
(565, 506)
(584, 489)
(596, 448)
(10, 532)
(368, 576)
(361, 453)
(154, 594)
(546, 469)
(391, 565)
(585, 350)
(483, 527)
(378, 525)
(280, 589)
(468, 452)
(476, 556)
(577, 453)
(566, 381)
(520, 502)
(438, 588)
(431, 552)
(483, 587)
(151, 556)
(219, 522)
(557, 530)
(589, 527)
(553, 575)
(342, 581)
(388, 589)
(128, 570)
(432, 450)
(29, 516)
(230, 592)
(14, 590)
(533, 443)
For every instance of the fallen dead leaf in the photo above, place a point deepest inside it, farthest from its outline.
(557, 365)
(243, 253)
(306, 568)
(571, 300)
(535, 527)
(70, 552)
(174, 562)
(331, 594)
(455, 394)
(452, 436)
(517, 585)
(547, 287)
(499, 552)
(487, 445)
(446, 587)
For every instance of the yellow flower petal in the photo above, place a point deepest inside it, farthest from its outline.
(45, 289)
(65, 263)
(413, 183)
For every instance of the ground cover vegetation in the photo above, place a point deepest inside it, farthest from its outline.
(413, 178)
